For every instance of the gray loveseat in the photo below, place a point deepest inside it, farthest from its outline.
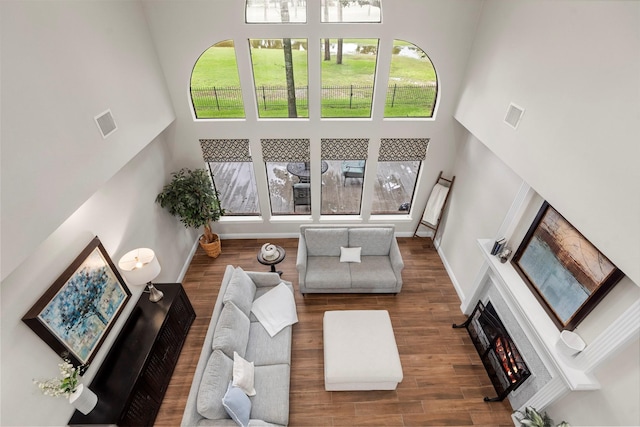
(321, 271)
(234, 327)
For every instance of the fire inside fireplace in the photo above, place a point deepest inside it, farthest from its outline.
(499, 354)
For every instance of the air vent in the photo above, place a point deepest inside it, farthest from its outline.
(105, 123)
(514, 115)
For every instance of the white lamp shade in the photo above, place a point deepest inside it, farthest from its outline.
(139, 266)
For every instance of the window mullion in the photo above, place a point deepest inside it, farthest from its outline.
(383, 68)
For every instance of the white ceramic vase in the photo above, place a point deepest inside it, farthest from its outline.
(83, 399)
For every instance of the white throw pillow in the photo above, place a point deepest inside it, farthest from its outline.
(276, 309)
(243, 373)
(350, 254)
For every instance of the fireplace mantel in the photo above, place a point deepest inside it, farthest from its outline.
(568, 373)
(535, 322)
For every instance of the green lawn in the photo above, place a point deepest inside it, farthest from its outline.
(217, 67)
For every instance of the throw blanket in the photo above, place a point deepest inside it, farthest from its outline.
(435, 204)
(276, 309)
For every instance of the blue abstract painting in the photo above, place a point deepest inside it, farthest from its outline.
(82, 311)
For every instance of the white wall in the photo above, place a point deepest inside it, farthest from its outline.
(617, 400)
(574, 67)
(183, 30)
(124, 215)
(64, 62)
(482, 194)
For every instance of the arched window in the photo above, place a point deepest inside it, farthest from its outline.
(412, 86)
(215, 84)
(284, 85)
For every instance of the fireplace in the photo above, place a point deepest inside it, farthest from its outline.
(499, 354)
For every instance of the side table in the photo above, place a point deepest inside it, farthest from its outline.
(273, 262)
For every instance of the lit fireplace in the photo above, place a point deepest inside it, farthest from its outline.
(500, 357)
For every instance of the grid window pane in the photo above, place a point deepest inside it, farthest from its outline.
(394, 187)
(412, 82)
(273, 12)
(236, 186)
(289, 193)
(348, 75)
(215, 84)
(280, 77)
(342, 187)
(351, 11)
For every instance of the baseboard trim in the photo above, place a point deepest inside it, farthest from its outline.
(187, 262)
(452, 276)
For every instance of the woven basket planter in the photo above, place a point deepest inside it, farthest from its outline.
(213, 249)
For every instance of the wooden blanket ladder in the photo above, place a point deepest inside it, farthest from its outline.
(436, 205)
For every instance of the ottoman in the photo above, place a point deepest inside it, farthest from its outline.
(360, 351)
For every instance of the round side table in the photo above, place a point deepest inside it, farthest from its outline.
(273, 262)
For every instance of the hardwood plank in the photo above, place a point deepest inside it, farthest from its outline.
(444, 381)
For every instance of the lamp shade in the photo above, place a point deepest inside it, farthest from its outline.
(139, 266)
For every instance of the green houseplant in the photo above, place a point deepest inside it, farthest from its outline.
(532, 418)
(191, 197)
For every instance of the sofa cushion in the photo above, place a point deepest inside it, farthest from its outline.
(238, 405)
(241, 290)
(373, 241)
(373, 272)
(263, 349)
(205, 422)
(271, 402)
(232, 331)
(213, 385)
(327, 272)
(326, 241)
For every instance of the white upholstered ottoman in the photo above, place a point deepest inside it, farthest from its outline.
(360, 351)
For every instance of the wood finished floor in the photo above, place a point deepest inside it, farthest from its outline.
(444, 380)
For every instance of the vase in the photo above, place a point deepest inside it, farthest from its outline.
(83, 399)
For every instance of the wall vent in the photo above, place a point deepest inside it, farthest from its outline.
(514, 115)
(105, 123)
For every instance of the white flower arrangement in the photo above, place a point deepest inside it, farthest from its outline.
(63, 386)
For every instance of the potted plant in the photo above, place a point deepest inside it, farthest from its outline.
(69, 386)
(532, 418)
(191, 197)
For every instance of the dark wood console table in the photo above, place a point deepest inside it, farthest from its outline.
(132, 380)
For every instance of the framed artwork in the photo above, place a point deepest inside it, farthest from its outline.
(567, 274)
(75, 315)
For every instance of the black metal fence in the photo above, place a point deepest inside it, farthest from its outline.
(275, 97)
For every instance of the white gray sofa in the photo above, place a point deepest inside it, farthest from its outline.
(234, 327)
(321, 271)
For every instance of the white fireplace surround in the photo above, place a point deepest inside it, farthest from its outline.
(569, 373)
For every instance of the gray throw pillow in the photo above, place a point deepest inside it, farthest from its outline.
(232, 331)
(240, 290)
(237, 405)
(213, 386)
